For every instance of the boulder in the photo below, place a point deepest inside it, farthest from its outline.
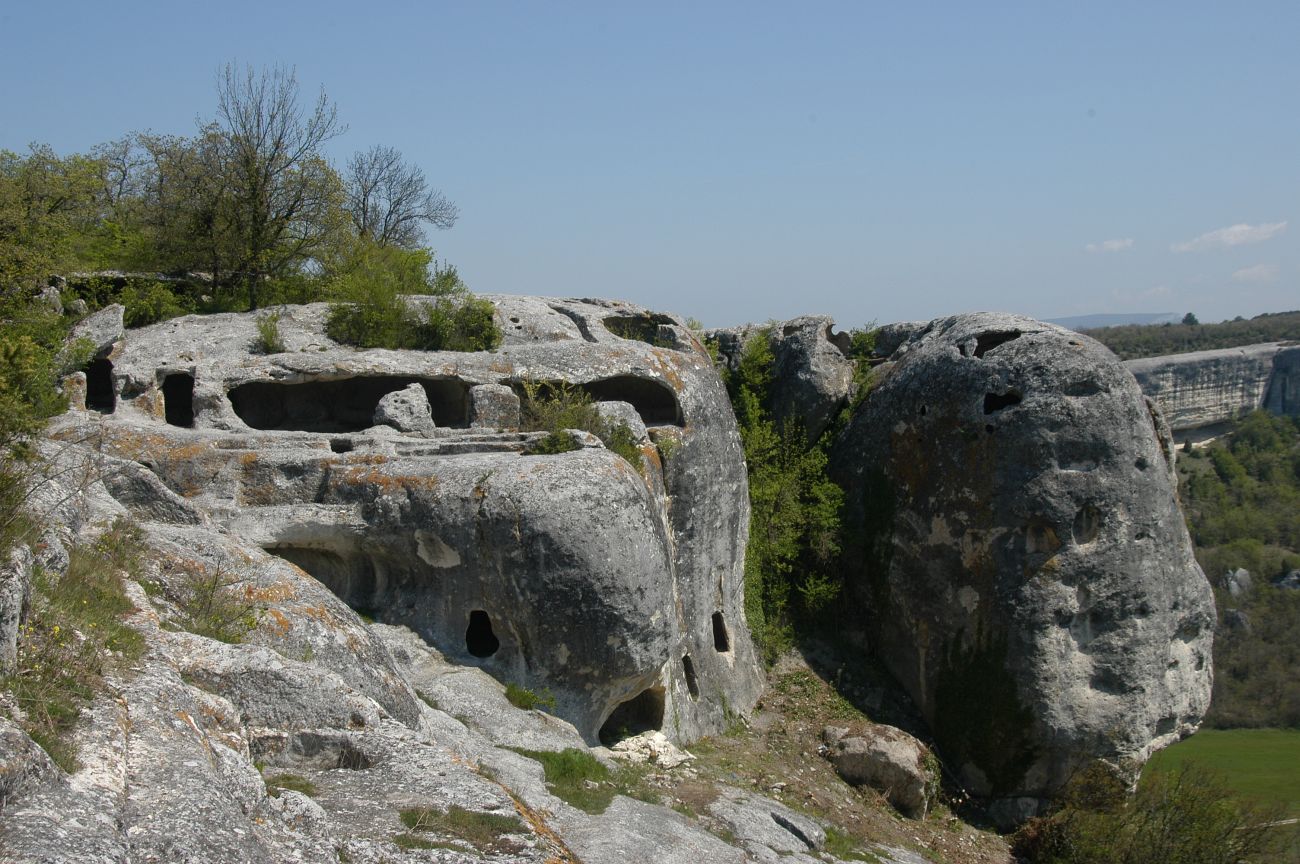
(1291, 581)
(1236, 621)
(811, 371)
(1020, 559)
(406, 410)
(102, 330)
(1239, 582)
(888, 760)
(493, 406)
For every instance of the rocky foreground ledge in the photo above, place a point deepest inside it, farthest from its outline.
(1023, 570)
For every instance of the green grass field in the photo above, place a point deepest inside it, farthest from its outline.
(1263, 764)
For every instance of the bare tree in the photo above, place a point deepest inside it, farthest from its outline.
(390, 200)
(282, 191)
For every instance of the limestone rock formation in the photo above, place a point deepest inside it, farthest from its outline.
(1203, 389)
(400, 480)
(1020, 557)
(889, 760)
(811, 371)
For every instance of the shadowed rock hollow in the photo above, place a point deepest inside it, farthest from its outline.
(1020, 557)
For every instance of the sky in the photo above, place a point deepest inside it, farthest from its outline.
(749, 161)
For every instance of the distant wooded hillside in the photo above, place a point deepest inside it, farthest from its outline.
(1154, 340)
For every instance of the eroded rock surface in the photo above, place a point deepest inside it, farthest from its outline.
(400, 480)
(1020, 556)
(1206, 389)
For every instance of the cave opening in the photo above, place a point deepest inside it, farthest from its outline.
(178, 399)
(99, 386)
(986, 342)
(692, 683)
(343, 404)
(642, 713)
(994, 402)
(654, 401)
(480, 640)
(721, 638)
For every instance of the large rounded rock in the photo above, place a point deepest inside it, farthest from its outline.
(1020, 554)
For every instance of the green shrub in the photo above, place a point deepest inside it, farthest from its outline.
(794, 535)
(149, 302)
(522, 697)
(556, 406)
(268, 339)
(1182, 817)
(217, 604)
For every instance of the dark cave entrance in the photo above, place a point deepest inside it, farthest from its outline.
(692, 683)
(721, 639)
(99, 387)
(178, 399)
(479, 638)
(642, 713)
(343, 404)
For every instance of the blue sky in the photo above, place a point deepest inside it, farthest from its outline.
(746, 161)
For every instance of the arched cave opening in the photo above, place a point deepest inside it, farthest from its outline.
(178, 399)
(342, 405)
(721, 638)
(642, 713)
(99, 386)
(692, 683)
(654, 401)
(480, 641)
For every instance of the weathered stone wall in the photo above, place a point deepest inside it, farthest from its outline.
(578, 573)
(1206, 388)
(1019, 556)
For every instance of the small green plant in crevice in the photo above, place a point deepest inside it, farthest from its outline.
(556, 406)
(482, 830)
(278, 783)
(73, 635)
(522, 697)
(218, 604)
(269, 340)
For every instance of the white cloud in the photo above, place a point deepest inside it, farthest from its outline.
(1258, 273)
(1110, 245)
(1233, 235)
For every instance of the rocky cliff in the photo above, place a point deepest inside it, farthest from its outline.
(404, 549)
(1018, 555)
(1206, 388)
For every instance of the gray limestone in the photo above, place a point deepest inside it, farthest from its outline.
(888, 760)
(1021, 560)
(1206, 388)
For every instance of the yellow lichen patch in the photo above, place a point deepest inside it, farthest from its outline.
(247, 459)
(669, 364)
(386, 483)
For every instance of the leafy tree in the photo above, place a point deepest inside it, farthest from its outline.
(282, 198)
(1190, 320)
(46, 203)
